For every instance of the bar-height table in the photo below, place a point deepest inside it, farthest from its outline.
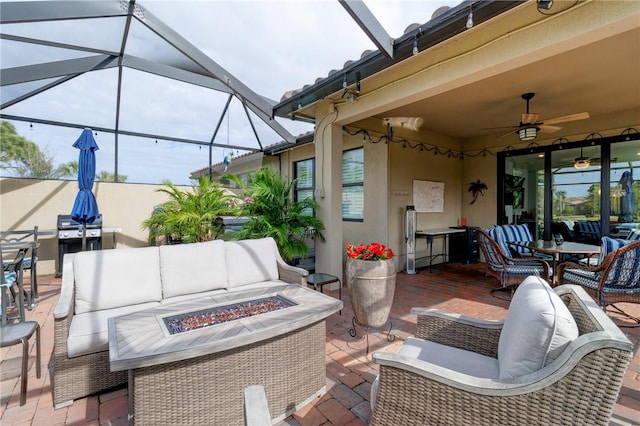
(551, 248)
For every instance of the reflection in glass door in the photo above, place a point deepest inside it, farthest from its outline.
(624, 190)
(524, 192)
(576, 194)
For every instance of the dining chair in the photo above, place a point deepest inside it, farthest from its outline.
(615, 279)
(12, 286)
(510, 271)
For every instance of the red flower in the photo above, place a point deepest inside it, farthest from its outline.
(373, 251)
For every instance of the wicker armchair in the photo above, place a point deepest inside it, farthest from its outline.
(510, 271)
(615, 279)
(579, 386)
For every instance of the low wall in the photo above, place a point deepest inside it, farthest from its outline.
(25, 203)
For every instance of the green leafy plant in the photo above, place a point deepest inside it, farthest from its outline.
(189, 216)
(272, 212)
(477, 188)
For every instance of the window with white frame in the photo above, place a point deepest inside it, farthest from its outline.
(353, 185)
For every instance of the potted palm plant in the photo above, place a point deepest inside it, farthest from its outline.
(189, 216)
(272, 212)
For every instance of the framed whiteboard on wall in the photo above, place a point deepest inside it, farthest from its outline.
(428, 196)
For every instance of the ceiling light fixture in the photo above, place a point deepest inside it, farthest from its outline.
(582, 162)
(528, 133)
(469, 24)
(415, 46)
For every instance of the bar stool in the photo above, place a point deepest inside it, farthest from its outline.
(321, 279)
(12, 334)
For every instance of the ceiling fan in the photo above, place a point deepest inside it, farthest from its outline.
(529, 125)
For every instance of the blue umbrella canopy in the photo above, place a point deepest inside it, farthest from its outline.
(85, 208)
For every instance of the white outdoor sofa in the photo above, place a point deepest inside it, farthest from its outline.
(97, 285)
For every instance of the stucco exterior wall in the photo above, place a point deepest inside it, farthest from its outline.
(25, 203)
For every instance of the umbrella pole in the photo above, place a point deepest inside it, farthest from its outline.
(84, 236)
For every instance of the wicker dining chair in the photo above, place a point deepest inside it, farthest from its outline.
(510, 271)
(615, 279)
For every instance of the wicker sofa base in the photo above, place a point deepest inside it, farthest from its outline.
(80, 376)
(208, 390)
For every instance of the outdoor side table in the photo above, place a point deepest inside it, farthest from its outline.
(321, 279)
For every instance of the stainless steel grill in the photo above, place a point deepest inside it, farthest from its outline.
(70, 237)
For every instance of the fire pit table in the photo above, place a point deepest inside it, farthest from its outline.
(181, 373)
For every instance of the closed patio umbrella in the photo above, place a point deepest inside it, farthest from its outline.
(85, 207)
(626, 201)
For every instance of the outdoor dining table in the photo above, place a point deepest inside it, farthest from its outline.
(555, 250)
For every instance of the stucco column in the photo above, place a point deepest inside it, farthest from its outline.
(328, 143)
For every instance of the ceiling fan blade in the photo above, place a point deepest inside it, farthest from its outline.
(530, 118)
(545, 128)
(499, 128)
(511, 132)
(566, 118)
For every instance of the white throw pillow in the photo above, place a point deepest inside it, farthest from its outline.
(192, 268)
(537, 329)
(251, 261)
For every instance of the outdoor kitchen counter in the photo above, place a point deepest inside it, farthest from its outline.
(140, 339)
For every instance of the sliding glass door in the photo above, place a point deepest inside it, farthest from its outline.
(582, 190)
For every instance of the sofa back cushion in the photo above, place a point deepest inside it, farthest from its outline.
(192, 268)
(251, 261)
(107, 279)
(536, 330)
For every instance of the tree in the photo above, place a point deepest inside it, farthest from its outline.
(272, 213)
(105, 176)
(25, 158)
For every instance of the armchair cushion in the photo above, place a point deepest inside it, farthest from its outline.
(517, 233)
(634, 235)
(537, 328)
(452, 358)
(498, 236)
(610, 245)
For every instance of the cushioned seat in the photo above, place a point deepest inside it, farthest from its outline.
(531, 368)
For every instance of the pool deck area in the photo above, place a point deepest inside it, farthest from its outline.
(350, 371)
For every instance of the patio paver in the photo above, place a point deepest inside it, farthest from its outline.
(454, 287)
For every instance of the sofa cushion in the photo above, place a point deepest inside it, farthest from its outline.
(107, 279)
(192, 268)
(251, 261)
(634, 235)
(537, 328)
(89, 331)
(460, 360)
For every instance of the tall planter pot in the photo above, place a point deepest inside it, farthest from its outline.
(371, 285)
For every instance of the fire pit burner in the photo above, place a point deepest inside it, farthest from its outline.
(221, 314)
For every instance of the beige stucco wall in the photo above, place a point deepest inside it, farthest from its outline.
(25, 203)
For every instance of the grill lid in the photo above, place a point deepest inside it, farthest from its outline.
(65, 222)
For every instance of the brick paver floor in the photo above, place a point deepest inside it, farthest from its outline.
(350, 371)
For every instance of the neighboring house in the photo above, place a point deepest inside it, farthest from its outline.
(451, 83)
